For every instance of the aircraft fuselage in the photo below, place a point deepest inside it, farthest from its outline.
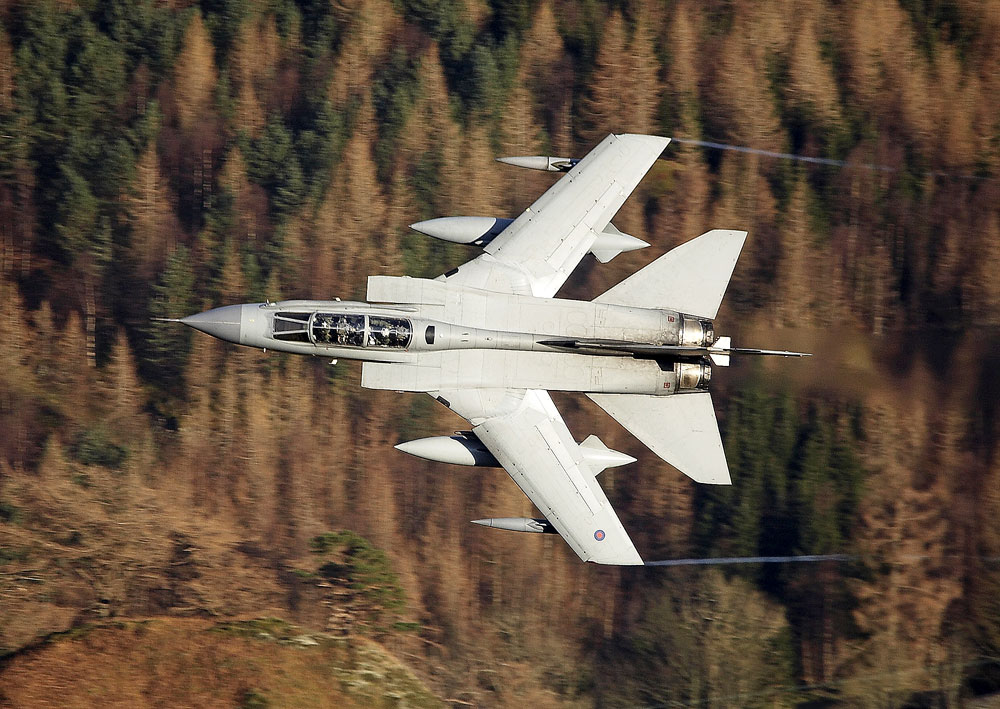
(519, 342)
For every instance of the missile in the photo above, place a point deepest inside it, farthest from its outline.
(478, 231)
(540, 162)
(460, 449)
(517, 524)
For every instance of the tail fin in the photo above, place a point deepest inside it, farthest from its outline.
(691, 278)
(720, 358)
(680, 428)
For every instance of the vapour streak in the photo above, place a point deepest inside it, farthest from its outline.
(752, 560)
(815, 161)
(722, 560)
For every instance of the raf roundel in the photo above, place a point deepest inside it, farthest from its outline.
(599, 535)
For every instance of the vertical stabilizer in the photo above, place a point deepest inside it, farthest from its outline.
(719, 351)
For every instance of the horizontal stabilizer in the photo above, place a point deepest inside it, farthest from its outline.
(680, 428)
(691, 278)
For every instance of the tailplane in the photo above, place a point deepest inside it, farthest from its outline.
(681, 429)
(691, 278)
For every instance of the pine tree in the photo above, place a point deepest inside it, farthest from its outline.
(154, 225)
(799, 263)
(604, 104)
(194, 74)
(811, 88)
(123, 401)
(7, 73)
(369, 39)
(167, 345)
(641, 92)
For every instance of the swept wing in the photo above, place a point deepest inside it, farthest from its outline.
(531, 441)
(541, 248)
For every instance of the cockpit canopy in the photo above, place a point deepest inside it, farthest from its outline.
(343, 329)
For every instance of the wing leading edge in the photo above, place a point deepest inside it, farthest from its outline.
(535, 447)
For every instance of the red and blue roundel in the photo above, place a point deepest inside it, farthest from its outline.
(599, 535)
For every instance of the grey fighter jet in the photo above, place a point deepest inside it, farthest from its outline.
(488, 340)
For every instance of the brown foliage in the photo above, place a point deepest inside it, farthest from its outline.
(195, 75)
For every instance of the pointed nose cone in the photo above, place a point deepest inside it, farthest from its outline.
(223, 323)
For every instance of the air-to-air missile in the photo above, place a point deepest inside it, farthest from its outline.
(518, 524)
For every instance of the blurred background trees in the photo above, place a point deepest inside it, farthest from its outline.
(160, 158)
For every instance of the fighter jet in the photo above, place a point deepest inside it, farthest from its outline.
(489, 340)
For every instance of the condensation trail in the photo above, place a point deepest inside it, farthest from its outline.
(752, 560)
(815, 161)
(725, 560)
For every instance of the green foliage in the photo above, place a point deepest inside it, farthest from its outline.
(94, 446)
(509, 17)
(581, 25)
(76, 215)
(263, 628)
(395, 89)
(223, 19)
(12, 554)
(364, 569)
(252, 699)
(166, 346)
(274, 165)
(799, 481)
(320, 31)
(148, 31)
(292, 159)
(81, 479)
(478, 66)
(942, 20)
(700, 640)
(418, 420)
(9, 513)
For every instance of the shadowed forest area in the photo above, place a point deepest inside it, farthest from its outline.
(158, 158)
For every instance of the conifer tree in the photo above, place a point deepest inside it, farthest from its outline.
(603, 105)
(811, 88)
(194, 74)
(168, 346)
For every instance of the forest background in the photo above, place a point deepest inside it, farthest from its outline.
(160, 158)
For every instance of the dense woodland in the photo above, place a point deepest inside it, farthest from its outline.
(161, 157)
